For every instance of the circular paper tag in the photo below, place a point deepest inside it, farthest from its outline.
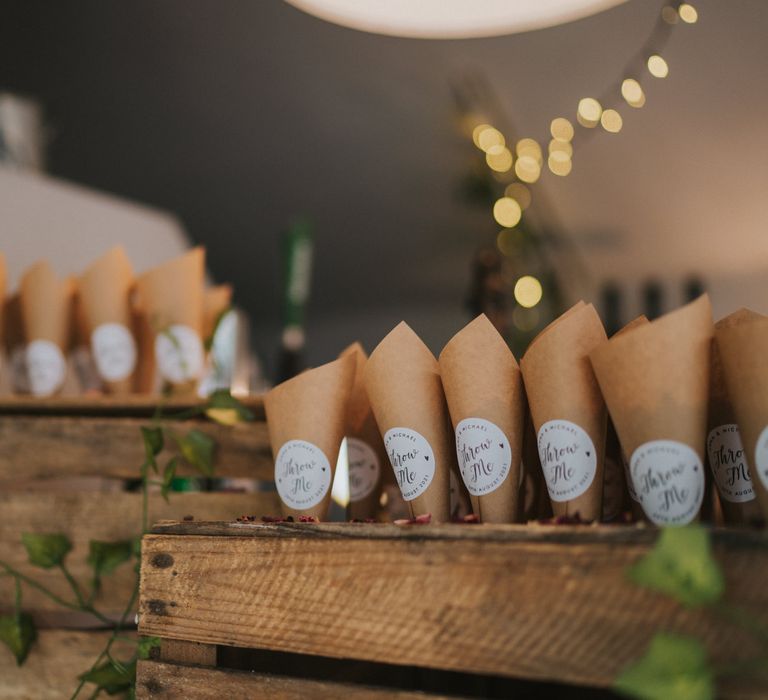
(179, 354)
(729, 464)
(412, 459)
(761, 457)
(364, 468)
(46, 367)
(114, 351)
(302, 474)
(669, 481)
(568, 459)
(484, 455)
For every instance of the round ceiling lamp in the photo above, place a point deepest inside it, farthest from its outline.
(451, 19)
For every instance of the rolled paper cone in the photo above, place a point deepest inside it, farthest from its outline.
(655, 380)
(216, 300)
(3, 291)
(104, 294)
(568, 412)
(145, 377)
(484, 391)
(402, 379)
(171, 295)
(366, 456)
(305, 417)
(46, 305)
(741, 341)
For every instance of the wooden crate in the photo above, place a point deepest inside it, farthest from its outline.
(494, 601)
(62, 466)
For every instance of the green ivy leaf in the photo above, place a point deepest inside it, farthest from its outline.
(673, 667)
(146, 644)
(18, 633)
(153, 444)
(168, 474)
(46, 551)
(110, 678)
(105, 557)
(197, 448)
(224, 408)
(682, 566)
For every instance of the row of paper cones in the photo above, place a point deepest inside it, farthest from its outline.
(677, 391)
(134, 329)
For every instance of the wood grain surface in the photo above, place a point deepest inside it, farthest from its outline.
(86, 516)
(548, 603)
(37, 447)
(160, 680)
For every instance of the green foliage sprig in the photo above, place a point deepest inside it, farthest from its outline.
(49, 551)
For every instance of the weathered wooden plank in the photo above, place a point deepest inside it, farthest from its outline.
(143, 405)
(87, 516)
(532, 609)
(36, 447)
(160, 680)
(182, 652)
(54, 663)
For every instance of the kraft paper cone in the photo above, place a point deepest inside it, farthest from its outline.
(402, 379)
(484, 391)
(104, 294)
(366, 456)
(216, 300)
(655, 380)
(3, 289)
(568, 412)
(145, 378)
(741, 340)
(45, 305)
(171, 296)
(305, 417)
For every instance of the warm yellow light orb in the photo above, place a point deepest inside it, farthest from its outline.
(527, 169)
(561, 129)
(589, 111)
(479, 129)
(632, 93)
(520, 193)
(490, 138)
(657, 66)
(611, 121)
(528, 147)
(562, 146)
(688, 13)
(499, 159)
(560, 163)
(507, 212)
(528, 291)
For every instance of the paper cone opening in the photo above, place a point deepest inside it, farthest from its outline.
(741, 340)
(402, 379)
(484, 392)
(306, 416)
(568, 412)
(655, 380)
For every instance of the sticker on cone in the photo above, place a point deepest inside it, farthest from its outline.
(302, 474)
(364, 468)
(46, 367)
(114, 351)
(761, 457)
(729, 464)
(568, 459)
(669, 481)
(179, 354)
(412, 459)
(484, 455)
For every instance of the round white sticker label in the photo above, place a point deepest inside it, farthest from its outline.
(668, 480)
(302, 474)
(46, 367)
(729, 463)
(568, 459)
(412, 459)
(179, 353)
(484, 455)
(364, 468)
(114, 351)
(761, 457)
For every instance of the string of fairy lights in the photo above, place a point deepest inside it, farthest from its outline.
(523, 161)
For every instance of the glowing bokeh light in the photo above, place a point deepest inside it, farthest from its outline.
(611, 121)
(588, 112)
(499, 159)
(527, 169)
(520, 193)
(561, 129)
(633, 93)
(687, 13)
(507, 212)
(528, 291)
(657, 66)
